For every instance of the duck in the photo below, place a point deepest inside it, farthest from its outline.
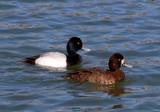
(58, 59)
(101, 75)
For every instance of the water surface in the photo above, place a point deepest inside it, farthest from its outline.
(32, 27)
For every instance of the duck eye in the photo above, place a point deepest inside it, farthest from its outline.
(78, 43)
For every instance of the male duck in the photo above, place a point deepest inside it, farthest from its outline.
(57, 59)
(101, 75)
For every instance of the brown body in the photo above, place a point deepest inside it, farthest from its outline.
(97, 75)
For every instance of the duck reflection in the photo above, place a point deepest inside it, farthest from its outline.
(112, 90)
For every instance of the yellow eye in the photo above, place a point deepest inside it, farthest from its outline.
(78, 43)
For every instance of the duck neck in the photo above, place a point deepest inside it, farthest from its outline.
(71, 51)
(73, 59)
(113, 70)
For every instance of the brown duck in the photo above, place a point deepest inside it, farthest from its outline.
(101, 75)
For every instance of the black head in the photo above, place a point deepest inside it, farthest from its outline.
(115, 61)
(74, 44)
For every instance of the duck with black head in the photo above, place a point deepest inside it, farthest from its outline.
(57, 59)
(100, 75)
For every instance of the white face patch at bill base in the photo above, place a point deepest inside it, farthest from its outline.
(123, 63)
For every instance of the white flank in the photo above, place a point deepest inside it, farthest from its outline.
(52, 59)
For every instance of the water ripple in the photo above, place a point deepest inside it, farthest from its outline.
(29, 28)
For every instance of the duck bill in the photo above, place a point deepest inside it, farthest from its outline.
(86, 49)
(123, 63)
(127, 65)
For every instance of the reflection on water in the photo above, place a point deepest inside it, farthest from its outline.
(99, 108)
(112, 90)
(84, 109)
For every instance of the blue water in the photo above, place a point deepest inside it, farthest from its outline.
(31, 27)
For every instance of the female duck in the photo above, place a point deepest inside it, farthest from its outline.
(57, 59)
(100, 75)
